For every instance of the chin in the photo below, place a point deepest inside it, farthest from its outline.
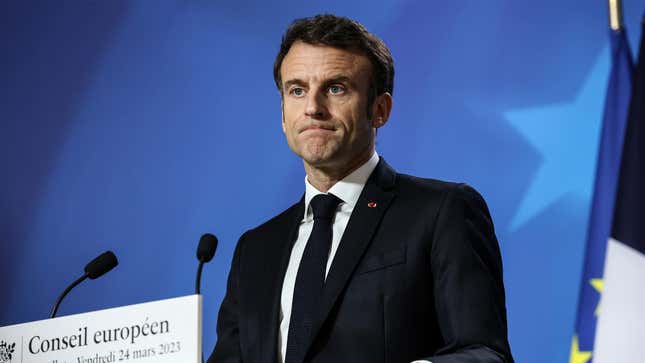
(318, 154)
(316, 160)
(319, 159)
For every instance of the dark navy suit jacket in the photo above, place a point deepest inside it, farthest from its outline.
(418, 276)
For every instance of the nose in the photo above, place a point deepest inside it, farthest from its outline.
(316, 107)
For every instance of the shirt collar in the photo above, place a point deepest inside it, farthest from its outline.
(348, 189)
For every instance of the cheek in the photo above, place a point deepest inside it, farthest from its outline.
(291, 107)
(289, 119)
(360, 125)
(291, 133)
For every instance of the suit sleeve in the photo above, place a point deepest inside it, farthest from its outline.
(468, 284)
(227, 349)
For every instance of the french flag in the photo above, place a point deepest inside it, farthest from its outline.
(610, 325)
(620, 331)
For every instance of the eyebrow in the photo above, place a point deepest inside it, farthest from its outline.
(339, 79)
(335, 79)
(291, 82)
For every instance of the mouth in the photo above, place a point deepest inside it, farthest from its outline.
(318, 128)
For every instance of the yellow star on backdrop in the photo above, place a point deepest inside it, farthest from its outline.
(576, 355)
(598, 285)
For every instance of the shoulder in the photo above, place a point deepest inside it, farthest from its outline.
(428, 189)
(275, 226)
(420, 189)
(442, 203)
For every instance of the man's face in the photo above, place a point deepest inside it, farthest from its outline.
(324, 106)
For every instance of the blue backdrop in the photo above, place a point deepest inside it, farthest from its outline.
(139, 125)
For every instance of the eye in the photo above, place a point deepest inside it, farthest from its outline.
(336, 89)
(297, 91)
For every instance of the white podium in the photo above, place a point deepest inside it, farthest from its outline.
(160, 331)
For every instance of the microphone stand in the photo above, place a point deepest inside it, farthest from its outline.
(67, 290)
(198, 281)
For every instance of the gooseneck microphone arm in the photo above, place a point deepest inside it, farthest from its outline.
(67, 290)
(198, 281)
(96, 268)
(205, 252)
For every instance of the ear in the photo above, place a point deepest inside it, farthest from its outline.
(381, 109)
(284, 129)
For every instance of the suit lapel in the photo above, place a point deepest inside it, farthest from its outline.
(368, 212)
(286, 234)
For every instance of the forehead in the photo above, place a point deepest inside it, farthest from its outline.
(306, 61)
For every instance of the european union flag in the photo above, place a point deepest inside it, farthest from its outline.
(604, 197)
(615, 256)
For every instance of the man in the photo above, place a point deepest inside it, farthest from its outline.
(370, 265)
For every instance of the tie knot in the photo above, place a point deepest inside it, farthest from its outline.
(324, 206)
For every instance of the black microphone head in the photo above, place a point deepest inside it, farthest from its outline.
(101, 265)
(207, 247)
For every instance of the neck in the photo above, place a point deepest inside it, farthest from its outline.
(323, 178)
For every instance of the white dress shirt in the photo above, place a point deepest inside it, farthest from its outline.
(348, 190)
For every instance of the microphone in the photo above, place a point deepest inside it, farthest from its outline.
(205, 252)
(95, 269)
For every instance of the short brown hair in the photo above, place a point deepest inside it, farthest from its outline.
(344, 33)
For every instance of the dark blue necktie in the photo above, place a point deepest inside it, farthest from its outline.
(311, 277)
